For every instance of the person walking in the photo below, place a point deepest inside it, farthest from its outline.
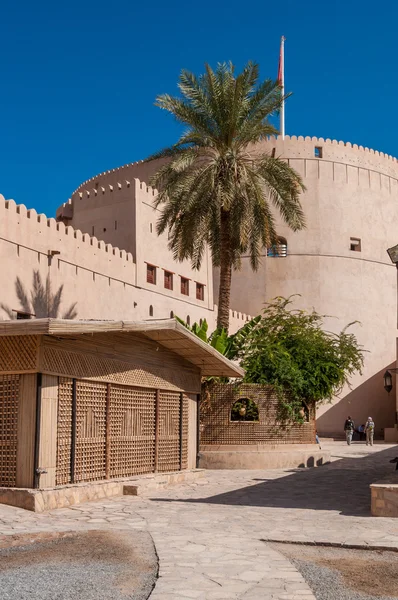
(369, 431)
(349, 429)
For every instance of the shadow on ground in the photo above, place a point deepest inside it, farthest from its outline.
(341, 486)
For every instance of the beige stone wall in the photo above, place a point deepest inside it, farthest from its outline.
(351, 192)
(103, 280)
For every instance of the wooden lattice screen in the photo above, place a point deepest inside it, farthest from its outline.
(64, 436)
(217, 427)
(90, 431)
(9, 401)
(119, 431)
(132, 431)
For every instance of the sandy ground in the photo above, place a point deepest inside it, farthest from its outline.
(345, 574)
(91, 565)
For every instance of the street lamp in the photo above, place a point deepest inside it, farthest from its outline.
(387, 381)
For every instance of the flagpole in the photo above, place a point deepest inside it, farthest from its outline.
(282, 112)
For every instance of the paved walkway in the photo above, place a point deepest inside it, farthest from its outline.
(211, 535)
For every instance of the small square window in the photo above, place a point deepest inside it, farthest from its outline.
(200, 291)
(184, 286)
(151, 274)
(355, 244)
(318, 152)
(168, 280)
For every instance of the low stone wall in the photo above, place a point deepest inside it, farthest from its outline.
(391, 435)
(279, 456)
(68, 495)
(217, 427)
(384, 496)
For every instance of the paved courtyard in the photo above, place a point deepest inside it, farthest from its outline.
(211, 536)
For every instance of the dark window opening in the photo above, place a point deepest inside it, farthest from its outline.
(355, 244)
(184, 286)
(104, 229)
(318, 152)
(244, 409)
(92, 231)
(278, 250)
(168, 280)
(151, 274)
(188, 320)
(151, 311)
(200, 291)
(22, 315)
(171, 315)
(273, 152)
(150, 227)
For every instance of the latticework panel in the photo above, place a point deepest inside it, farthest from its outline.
(64, 432)
(169, 432)
(89, 366)
(217, 427)
(18, 353)
(9, 401)
(90, 430)
(132, 431)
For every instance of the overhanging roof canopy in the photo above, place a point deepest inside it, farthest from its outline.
(168, 333)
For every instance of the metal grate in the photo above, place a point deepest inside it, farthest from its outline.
(9, 402)
(217, 428)
(64, 435)
(132, 431)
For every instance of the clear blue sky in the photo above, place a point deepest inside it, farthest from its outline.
(78, 79)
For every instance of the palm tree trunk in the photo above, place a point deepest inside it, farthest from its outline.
(224, 294)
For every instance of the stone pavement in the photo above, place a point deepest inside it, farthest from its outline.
(210, 535)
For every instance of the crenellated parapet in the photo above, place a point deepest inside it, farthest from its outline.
(301, 147)
(28, 229)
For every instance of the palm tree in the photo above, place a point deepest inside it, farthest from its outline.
(215, 188)
(42, 302)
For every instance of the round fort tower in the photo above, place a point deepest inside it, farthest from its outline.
(338, 264)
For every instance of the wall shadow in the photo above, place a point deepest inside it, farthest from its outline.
(341, 486)
(368, 399)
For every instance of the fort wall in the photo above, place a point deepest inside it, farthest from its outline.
(99, 279)
(352, 193)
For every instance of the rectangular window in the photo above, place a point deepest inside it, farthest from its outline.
(21, 315)
(355, 244)
(168, 280)
(318, 152)
(151, 274)
(200, 291)
(184, 286)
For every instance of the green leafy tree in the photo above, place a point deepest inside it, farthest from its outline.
(215, 188)
(290, 350)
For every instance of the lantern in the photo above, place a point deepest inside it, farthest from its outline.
(387, 381)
